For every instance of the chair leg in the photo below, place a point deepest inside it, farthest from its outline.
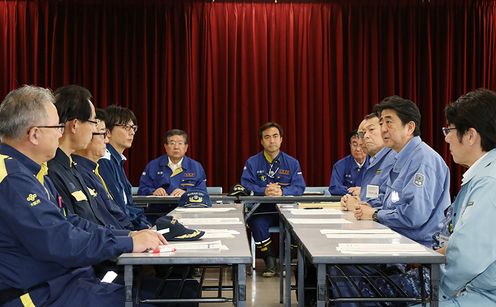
(253, 252)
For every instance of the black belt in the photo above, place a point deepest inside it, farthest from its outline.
(8, 295)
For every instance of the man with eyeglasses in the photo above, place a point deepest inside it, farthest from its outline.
(173, 173)
(469, 276)
(121, 124)
(46, 253)
(87, 165)
(77, 112)
(271, 173)
(346, 174)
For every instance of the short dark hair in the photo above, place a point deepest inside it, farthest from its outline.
(101, 114)
(406, 110)
(117, 115)
(268, 125)
(353, 134)
(73, 102)
(173, 132)
(476, 109)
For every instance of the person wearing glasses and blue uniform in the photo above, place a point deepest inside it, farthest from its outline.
(270, 173)
(121, 124)
(468, 278)
(173, 173)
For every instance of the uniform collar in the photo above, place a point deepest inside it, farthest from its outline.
(478, 165)
(84, 162)
(404, 155)
(23, 159)
(185, 162)
(378, 156)
(114, 153)
(269, 158)
(62, 158)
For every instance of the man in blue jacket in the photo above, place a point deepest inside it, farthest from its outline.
(469, 276)
(173, 173)
(417, 188)
(380, 159)
(121, 123)
(88, 167)
(46, 256)
(347, 173)
(271, 173)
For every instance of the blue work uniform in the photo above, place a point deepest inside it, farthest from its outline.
(257, 173)
(44, 256)
(417, 193)
(158, 174)
(71, 187)
(89, 172)
(469, 276)
(346, 173)
(112, 172)
(375, 176)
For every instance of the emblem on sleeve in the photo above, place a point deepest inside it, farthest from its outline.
(32, 199)
(418, 180)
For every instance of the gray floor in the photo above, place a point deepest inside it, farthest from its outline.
(260, 291)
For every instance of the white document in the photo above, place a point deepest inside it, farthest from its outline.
(362, 235)
(210, 221)
(316, 212)
(219, 233)
(204, 210)
(383, 249)
(212, 245)
(109, 277)
(163, 231)
(318, 221)
(380, 230)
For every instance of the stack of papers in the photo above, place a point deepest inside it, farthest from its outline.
(381, 249)
(190, 246)
(327, 204)
(318, 221)
(311, 211)
(210, 221)
(219, 233)
(384, 233)
(204, 210)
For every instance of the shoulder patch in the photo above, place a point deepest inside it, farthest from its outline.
(418, 180)
(3, 167)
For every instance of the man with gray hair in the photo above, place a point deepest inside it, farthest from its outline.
(173, 173)
(46, 256)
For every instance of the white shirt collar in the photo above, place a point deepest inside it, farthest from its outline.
(469, 174)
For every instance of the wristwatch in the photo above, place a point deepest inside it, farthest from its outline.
(374, 215)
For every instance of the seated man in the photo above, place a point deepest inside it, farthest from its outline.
(45, 255)
(272, 173)
(121, 123)
(469, 276)
(78, 114)
(417, 188)
(87, 165)
(347, 173)
(173, 173)
(381, 161)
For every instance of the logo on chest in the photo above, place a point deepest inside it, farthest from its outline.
(189, 175)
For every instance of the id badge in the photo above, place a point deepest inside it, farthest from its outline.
(372, 191)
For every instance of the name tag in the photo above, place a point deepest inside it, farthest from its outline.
(372, 191)
(395, 197)
(79, 196)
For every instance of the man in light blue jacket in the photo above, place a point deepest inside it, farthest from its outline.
(469, 276)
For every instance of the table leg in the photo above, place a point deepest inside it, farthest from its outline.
(435, 280)
(321, 285)
(128, 284)
(301, 280)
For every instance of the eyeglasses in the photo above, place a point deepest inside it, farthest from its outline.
(104, 133)
(129, 127)
(60, 127)
(95, 122)
(447, 130)
(174, 143)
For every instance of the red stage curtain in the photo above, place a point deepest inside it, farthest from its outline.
(220, 69)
